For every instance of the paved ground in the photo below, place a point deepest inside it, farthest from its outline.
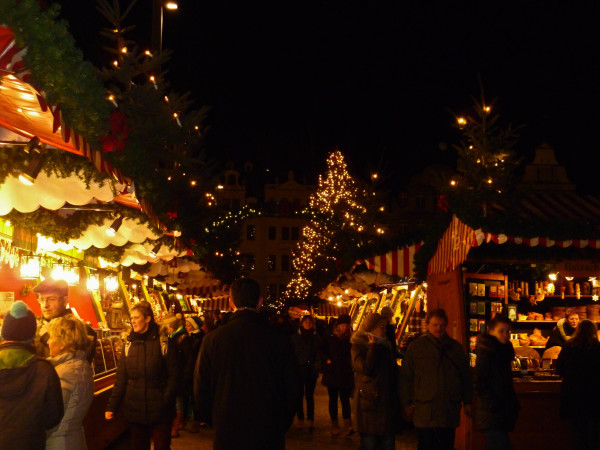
(298, 438)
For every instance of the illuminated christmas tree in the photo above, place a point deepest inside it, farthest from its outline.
(486, 160)
(336, 223)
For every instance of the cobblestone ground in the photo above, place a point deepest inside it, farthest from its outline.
(299, 438)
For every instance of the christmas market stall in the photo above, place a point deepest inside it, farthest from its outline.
(78, 185)
(535, 259)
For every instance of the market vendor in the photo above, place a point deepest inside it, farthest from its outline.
(564, 329)
(52, 296)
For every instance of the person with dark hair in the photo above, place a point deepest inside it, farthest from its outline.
(390, 328)
(53, 298)
(245, 382)
(306, 343)
(31, 399)
(197, 329)
(436, 380)
(146, 382)
(564, 329)
(376, 376)
(338, 375)
(579, 365)
(181, 343)
(497, 404)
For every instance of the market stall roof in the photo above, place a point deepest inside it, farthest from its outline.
(25, 111)
(398, 262)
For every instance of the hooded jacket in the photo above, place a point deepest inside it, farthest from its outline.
(497, 406)
(376, 378)
(30, 398)
(77, 384)
(146, 380)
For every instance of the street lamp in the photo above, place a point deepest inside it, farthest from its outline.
(157, 21)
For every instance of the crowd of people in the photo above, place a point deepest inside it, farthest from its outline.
(249, 376)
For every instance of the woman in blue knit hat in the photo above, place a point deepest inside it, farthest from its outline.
(30, 393)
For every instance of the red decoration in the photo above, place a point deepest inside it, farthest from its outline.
(442, 203)
(119, 132)
(172, 214)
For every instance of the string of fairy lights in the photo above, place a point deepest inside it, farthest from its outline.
(335, 199)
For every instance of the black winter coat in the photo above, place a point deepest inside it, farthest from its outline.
(245, 383)
(30, 398)
(182, 344)
(146, 380)
(497, 406)
(377, 395)
(338, 373)
(580, 370)
(306, 345)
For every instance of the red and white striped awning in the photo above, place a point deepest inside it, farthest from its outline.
(399, 262)
(481, 237)
(452, 248)
(332, 309)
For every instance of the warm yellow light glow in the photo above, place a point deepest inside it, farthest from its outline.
(93, 283)
(116, 63)
(552, 276)
(452, 182)
(148, 53)
(489, 181)
(27, 181)
(124, 50)
(461, 121)
(171, 6)
(569, 278)
(111, 283)
(487, 109)
(220, 186)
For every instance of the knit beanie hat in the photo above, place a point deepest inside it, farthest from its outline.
(343, 318)
(19, 323)
(170, 318)
(371, 322)
(193, 323)
(387, 312)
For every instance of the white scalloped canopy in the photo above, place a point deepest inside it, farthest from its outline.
(50, 192)
(140, 254)
(183, 265)
(130, 231)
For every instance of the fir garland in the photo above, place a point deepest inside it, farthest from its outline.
(57, 67)
(13, 159)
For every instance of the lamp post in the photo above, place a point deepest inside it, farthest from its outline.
(158, 7)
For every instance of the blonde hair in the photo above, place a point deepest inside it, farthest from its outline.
(70, 332)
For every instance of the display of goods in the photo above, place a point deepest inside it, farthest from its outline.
(537, 339)
(534, 316)
(524, 339)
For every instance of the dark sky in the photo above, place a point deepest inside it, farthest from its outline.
(289, 80)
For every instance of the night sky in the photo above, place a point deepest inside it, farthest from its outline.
(288, 81)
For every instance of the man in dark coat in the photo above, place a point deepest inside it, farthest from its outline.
(245, 382)
(30, 394)
(53, 298)
(436, 380)
(146, 382)
(497, 403)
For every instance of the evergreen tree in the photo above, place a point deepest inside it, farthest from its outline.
(335, 228)
(486, 159)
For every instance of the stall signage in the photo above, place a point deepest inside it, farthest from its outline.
(6, 301)
(580, 268)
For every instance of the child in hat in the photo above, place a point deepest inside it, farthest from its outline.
(30, 394)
